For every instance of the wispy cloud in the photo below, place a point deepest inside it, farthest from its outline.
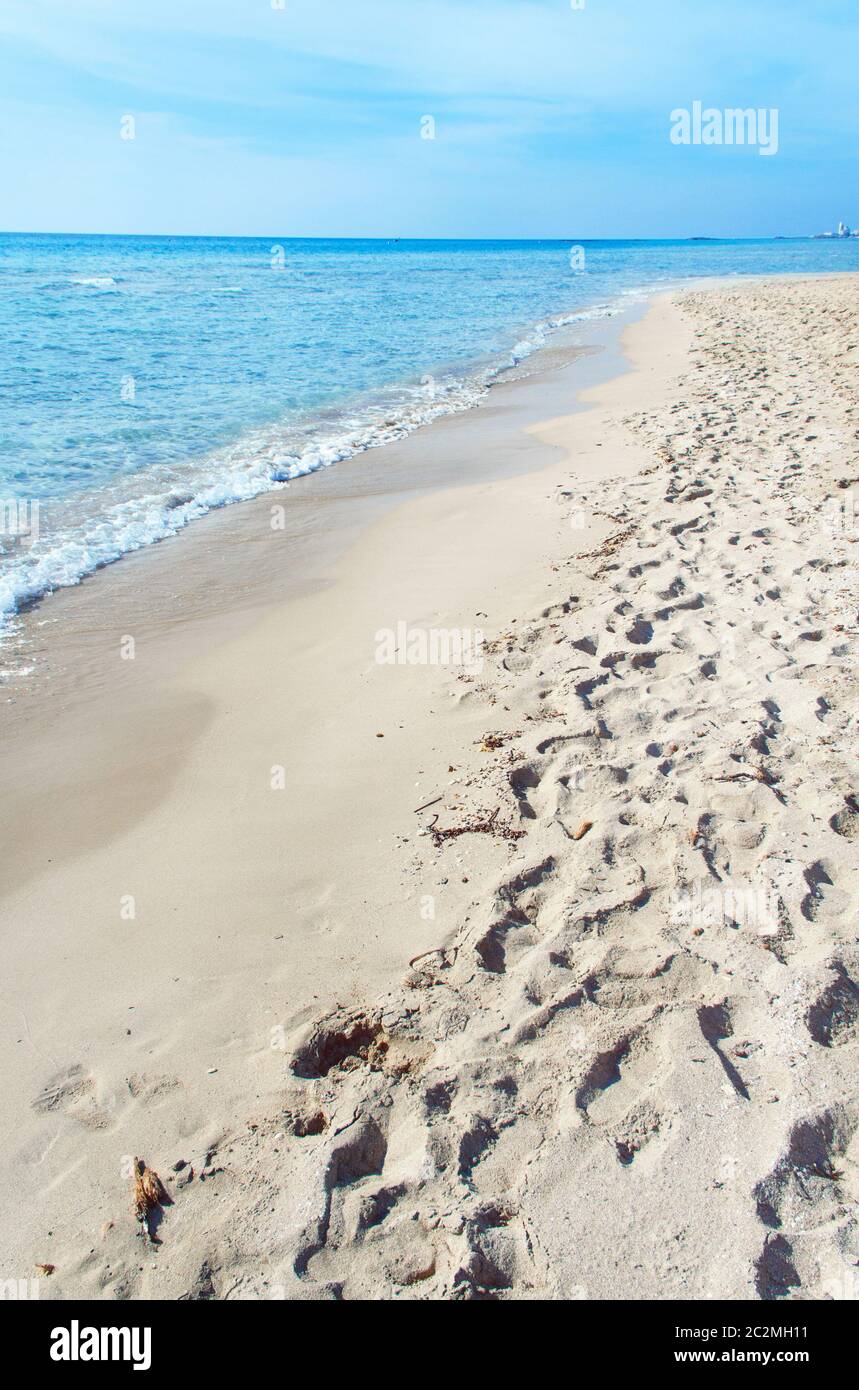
(546, 117)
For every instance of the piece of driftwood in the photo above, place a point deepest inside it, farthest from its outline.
(475, 826)
(150, 1195)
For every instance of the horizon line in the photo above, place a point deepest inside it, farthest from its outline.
(267, 236)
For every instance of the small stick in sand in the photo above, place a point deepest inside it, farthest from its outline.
(757, 774)
(583, 829)
(476, 826)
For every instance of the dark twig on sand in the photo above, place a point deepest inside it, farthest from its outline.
(475, 826)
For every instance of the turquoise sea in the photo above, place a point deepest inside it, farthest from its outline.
(146, 380)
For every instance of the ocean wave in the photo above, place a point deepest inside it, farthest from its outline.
(540, 333)
(94, 282)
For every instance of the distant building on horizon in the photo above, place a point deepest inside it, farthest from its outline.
(843, 232)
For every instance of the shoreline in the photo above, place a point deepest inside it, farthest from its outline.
(469, 386)
(481, 374)
(324, 512)
(152, 782)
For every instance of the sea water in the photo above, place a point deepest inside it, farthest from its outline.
(146, 380)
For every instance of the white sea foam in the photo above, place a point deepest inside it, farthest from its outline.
(541, 332)
(94, 282)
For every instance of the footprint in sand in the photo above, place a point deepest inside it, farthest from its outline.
(72, 1092)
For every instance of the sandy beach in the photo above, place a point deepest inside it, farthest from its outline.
(531, 979)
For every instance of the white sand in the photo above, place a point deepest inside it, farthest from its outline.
(626, 1066)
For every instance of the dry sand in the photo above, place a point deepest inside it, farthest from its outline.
(622, 1063)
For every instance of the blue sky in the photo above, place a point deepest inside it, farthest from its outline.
(306, 121)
